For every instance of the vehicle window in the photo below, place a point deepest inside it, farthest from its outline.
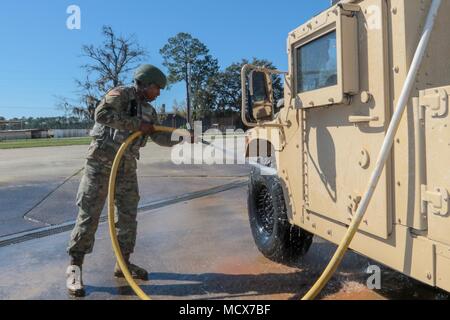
(317, 64)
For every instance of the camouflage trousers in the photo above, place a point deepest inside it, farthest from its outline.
(91, 199)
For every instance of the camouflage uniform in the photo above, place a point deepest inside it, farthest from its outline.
(118, 115)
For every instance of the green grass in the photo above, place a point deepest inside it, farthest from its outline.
(37, 143)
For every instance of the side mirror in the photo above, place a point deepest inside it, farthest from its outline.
(261, 95)
(257, 94)
(259, 87)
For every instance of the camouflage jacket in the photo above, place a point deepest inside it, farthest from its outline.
(118, 115)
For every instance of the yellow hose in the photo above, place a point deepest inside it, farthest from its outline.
(312, 293)
(111, 197)
(334, 263)
(384, 152)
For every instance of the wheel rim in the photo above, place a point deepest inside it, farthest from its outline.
(265, 211)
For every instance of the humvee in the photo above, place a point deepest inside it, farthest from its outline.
(348, 67)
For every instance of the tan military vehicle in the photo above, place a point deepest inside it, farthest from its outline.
(349, 68)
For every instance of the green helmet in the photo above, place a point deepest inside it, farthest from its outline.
(148, 74)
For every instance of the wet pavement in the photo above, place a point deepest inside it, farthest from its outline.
(196, 247)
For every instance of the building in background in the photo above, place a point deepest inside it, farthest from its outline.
(24, 134)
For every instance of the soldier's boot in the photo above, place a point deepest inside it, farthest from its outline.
(136, 271)
(74, 281)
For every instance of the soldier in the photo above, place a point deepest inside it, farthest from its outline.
(122, 111)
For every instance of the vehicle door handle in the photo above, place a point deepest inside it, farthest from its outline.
(361, 119)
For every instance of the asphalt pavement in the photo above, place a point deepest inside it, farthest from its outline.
(193, 237)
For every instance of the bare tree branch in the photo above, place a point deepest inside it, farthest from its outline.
(107, 67)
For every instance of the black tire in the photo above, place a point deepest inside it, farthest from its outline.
(274, 236)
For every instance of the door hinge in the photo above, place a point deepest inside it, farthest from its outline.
(436, 102)
(437, 201)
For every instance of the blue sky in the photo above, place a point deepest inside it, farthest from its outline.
(40, 57)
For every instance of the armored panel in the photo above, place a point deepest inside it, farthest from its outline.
(342, 141)
(435, 191)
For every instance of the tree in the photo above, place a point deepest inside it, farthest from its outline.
(2, 125)
(188, 60)
(161, 110)
(203, 80)
(108, 66)
(49, 123)
(180, 108)
(228, 85)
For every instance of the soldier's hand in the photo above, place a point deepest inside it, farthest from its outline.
(147, 127)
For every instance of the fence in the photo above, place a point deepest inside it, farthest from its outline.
(69, 133)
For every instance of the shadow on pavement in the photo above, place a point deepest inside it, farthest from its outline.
(350, 279)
